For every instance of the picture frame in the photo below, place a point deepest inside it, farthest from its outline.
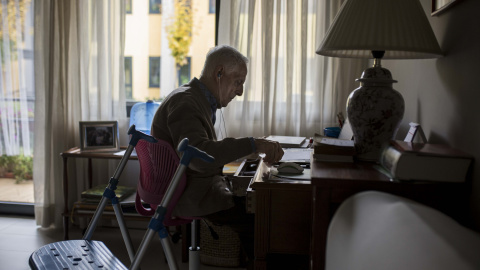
(439, 6)
(99, 136)
(415, 129)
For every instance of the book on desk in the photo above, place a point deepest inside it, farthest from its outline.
(425, 161)
(333, 149)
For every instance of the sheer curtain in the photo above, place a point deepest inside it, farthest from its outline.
(290, 90)
(79, 76)
(16, 69)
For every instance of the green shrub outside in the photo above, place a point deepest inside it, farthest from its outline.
(21, 166)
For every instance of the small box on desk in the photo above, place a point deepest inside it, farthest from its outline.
(241, 179)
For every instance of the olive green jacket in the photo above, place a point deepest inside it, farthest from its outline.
(186, 113)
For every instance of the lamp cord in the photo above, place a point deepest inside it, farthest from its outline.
(222, 120)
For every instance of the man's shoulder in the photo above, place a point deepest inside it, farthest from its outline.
(185, 95)
(185, 91)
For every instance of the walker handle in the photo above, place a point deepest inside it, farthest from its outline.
(138, 135)
(191, 152)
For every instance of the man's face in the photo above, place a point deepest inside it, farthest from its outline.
(231, 84)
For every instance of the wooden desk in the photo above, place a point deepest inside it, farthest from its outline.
(283, 215)
(292, 217)
(76, 153)
(335, 182)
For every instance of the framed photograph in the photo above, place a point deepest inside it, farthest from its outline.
(439, 6)
(99, 136)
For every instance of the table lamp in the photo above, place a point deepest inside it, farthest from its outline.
(389, 29)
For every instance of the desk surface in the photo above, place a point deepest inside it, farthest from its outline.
(325, 172)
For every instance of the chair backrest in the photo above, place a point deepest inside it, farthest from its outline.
(158, 163)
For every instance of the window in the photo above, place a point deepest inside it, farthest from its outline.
(143, 42)
(184, 72)
(154, 72)
(128, 78)
(17, 106)
(155, 6)
(211, 6)
(128, 6)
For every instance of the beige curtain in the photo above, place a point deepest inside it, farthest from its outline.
(290, 90)
(79, 76)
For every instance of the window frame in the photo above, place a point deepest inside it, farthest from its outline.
(189, 71)
(152, 10)
(212, 6)
(128, 78)
(128, 3)
(154, 59)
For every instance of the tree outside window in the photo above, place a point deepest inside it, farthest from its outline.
(180, 35)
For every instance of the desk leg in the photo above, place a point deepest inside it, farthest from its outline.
(321, 219)
(65, 199)
(262, 227)
(90, 177)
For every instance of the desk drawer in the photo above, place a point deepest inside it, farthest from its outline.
(290, 221)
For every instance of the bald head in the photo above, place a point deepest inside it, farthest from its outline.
(223, 55)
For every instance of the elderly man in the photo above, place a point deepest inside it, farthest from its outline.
(190, 112)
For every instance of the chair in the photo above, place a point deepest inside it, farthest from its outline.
(158, 162)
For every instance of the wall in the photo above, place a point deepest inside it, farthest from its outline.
(443, 94)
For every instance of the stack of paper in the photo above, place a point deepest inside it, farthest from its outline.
(288, 141)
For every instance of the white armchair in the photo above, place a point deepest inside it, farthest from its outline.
(373, 230)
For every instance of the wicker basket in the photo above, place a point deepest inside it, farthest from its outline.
(224, 252)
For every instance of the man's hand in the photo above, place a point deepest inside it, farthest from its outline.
(272, 150)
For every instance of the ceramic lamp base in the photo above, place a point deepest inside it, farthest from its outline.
(375, 111)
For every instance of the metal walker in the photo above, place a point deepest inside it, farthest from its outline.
(91, 254)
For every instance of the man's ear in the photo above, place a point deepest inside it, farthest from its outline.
(218, 72)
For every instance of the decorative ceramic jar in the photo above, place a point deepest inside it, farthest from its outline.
(374, 111)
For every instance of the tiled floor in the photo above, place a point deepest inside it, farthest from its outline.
(20, 237)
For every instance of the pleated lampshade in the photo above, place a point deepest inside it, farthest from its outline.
(398, 27)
